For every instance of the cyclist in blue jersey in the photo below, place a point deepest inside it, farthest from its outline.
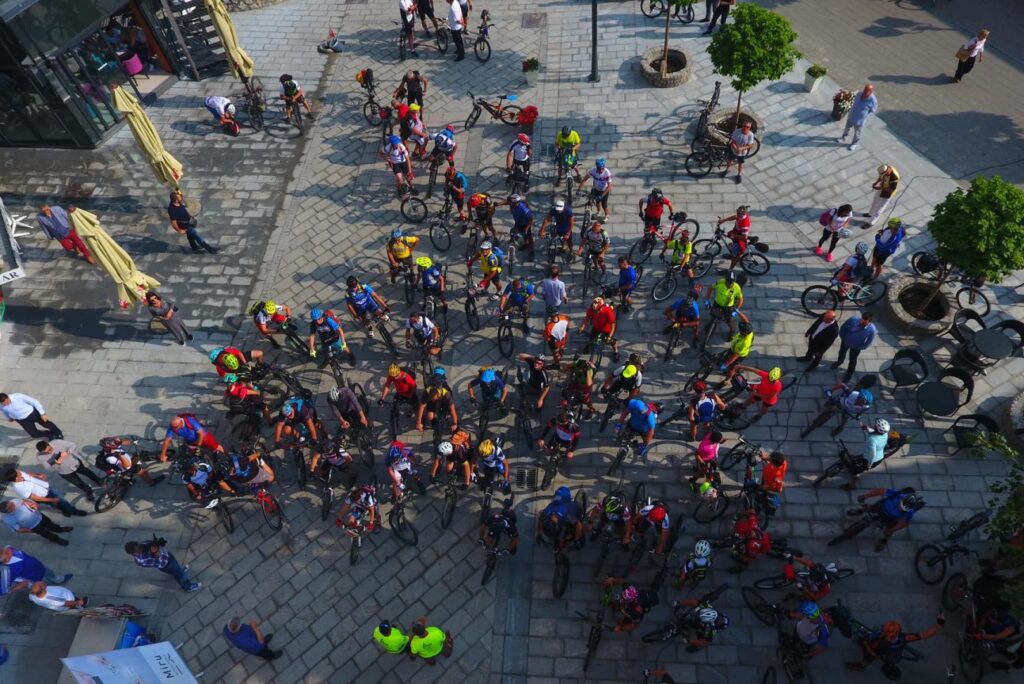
(432, 281)
(561, 522)
(363, 301)
(493, 389)
(628, 278)
(564, 223)
(685, 313)
(522, 217)
(896, 508)
(642, 420)
(456, 185)
(296, 413)
(327, 329)
(517, 295)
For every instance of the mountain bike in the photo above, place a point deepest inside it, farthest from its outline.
(268, 505)
(296, 109)
(404, 530)
(802, 576)
(372, 108)
(931, 560)
(610, 534)
(628, 441)
(709, 363)
(615, 405)
(970, 296)
(857, 465)
(481, 46)
(708, 108)
(517, 180)
(666, 286)
(331, 475)
(472, 314)
(294, 342)
(117, 483)
(356, 534)
(868, 518)
(791, 655)
(493, 551)
(508, 114)
(451, 498)
(332, 358)
(685, 618)
(440, 230)
(255, 101)
(257, 372)
(593, 277)
(442, 37)
(413, 208)
(558, 248)
(403, 40)
(371, 322)
(595, 349)
(973, 653)
(473, 229)
(642, 248)
(560, 577)
(706, 251)
(567, 164)
(555, 451)
(700, 162)
(596, 626)
(434, 308)
(505, 335)
(817, 299)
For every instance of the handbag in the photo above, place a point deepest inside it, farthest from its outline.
(963, 54)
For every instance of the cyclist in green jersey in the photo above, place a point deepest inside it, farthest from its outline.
(726, 297)
(739, 348)
(682, 251)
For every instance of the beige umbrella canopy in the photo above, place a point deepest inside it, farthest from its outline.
(241, 63)
(131, 283)
(167, 169)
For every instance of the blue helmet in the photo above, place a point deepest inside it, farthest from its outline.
(395, 450)
(316, 314)
(637, 405)
(216, 353)
(488, 376)
(600, 163)
(395, 234)
(810, 609)
(394, 140)
(563, 493)
(867, 396)
(440, 372)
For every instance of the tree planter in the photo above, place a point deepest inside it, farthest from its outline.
(721, 127)
(811, 83)
(531, 77)
(838, 112)
(905, 296)
(678, 68)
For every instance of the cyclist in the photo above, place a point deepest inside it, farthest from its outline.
(484, 207)
(413, 86)
(291, 92)
(813, 629)
(203, 482)
(709, 623)
(407, 12)
(346, 408)
(628, 377)
(750, 541)
(251, 469)
(432, 281)
(632, 605)
(739, 234)
(773, 476)
(114, 458)
(492, 465)
(418, 132)
(896, 509)
(855, 269)
(682, 252)
(399, 249)
(501, 521)
(565, 433)
(457, 453)
(595, 241)
(436, 401)
(707, 457)
(556, 334)
(335, 456)
(726, 298)
(360, 502)
(421, 329)
(766, 393)
(628, 278)
(876, 437)
(296, 413)
(739, 348)
(651, 516)
(564, 221)
(888, 646)
(703, 409)
(579, 385)
(601, 318)
(651, 209)
(362, 300)
(612, 510)
(561, 522)
(643, 419)
(697, 564)
(848, 402)
(227, 361)
(533, 379)
(817, 586)
(1000, 630)
(444, 145)
(567, 145)
(685, 312)
(264, 314)
(517, 296)
(602, 176)
(221, 109)
(517, 159)
(455, 186)
(399, 161)
(404, 382)
(401, 463)
(493, 389)
(187, 427)
(522, 217)
(325, 326)
(491, 262)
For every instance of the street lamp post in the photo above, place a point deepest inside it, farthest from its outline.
(594, 76)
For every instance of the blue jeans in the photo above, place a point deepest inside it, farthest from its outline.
(175, 570)
(61, 505)
(196, 241)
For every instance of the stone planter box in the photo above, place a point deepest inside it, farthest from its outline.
(905, 292)
(531, 77)
(678, 64)
(811, 83)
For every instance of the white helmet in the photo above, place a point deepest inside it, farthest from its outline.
(230, 109)
(445, 448)
(882, 426)
(708, 616)
(560, 205)
(335, 393)
(702, 549)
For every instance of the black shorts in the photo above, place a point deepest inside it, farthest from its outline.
(407, 26)
(402, 167)
(737, 157)
(414, 99)
(879, 256)
(425, 8)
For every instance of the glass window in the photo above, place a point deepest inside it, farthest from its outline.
(51, 24)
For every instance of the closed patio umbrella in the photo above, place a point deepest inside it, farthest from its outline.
(131, 283)
(241, 63)
(167, 169)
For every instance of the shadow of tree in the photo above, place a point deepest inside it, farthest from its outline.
(894, 27)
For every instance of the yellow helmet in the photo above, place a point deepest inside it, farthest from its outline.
(629, 371)
(270, 307)
(486, 448)
(230, 362)
(414, 107)
(774, 374)
(424, 262)
(394, 371)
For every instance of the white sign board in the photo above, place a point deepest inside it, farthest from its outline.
(150, 664)
(10, 261)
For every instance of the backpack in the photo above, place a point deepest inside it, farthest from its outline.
(257, 307)
(826, 217)
(365, 78)
(705, 409)
(333, 316)
(496, 251)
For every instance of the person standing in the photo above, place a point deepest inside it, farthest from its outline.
(429, 642)
(167, 313)
(152, 554)
(864, 105)
(63, 458)
(57, 599)
(887, 241)
(456, 24)
(23, 516)
(820, 337)
(972, 50)
(37, 488)
(833, 222)
(407, 13)
(249, 638)
(553, 290)
(191, 431)
(709, 8)
(391, 639)
(184, 223)
(414, 88)
(28, 412)
(56, 226)
(721, 10)
(856, 335)
(740, 143)
(886, 183)
(24, 569)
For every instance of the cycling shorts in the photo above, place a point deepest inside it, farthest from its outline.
(400, 167)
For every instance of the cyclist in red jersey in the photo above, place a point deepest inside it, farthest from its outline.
(739, 234)
(403, 383)
(652, 207)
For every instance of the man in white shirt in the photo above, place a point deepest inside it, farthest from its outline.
(456, 24)
(57, 599)
(407, 11)
(37, 488)
(28, 412)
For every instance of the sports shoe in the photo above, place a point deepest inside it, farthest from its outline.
(852, 146)
(195, 586)
(818, 250)
(828, 257)
(841, 138)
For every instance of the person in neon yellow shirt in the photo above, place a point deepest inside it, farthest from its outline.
(391, 639)
(429, 642)
(739, 348)
(567, 145)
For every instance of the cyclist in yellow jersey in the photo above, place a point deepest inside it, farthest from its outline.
(739, 348)
(726, 296)
(399, 251)
(682, 251)
(567, 145)
(490, 266)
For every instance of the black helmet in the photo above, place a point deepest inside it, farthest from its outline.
(285, 78)
(110, 443)
(818, 573)
(566, 131)
(745, 328)
(352, 281)
(730, 277)
(657, 194)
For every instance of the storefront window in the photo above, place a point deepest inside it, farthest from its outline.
(48, 25)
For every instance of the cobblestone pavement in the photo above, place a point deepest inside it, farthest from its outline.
(297, 216)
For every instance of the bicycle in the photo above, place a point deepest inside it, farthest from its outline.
(327, 491)
(558, 248)
(268, 504)
(567, 163)
(439, 231)
(255, 101)
(628, 441)
(451, 498)
(505, 336)
(371, 108)
(595, 349)
(472, 314)
(296, 109)
(376, 322)
(560, 577)
(973, 654)
(596, 627)
(834, 406)
(817, 299)
(517, 180)
(487, 405)
(255, 372)
(868, 518)
(708, 108)
(856, 466)
(332, 358)
(472, 241)
(684, 618)
(706, 251)
(610, 534)
(791, 654)
(481, 46)
(442, 37)
(404, 530)
(970, 296)
(615, 404)
(666, 286)
(493, 551)
(117, 483)
(412, 207)
(642, 248)
(403, 40)
(508, 114)
(700, 162)
(801, 577)
(708, 363)
(294, 342)
(555, 453)
(432, 306)
(931, 560)
(356, 534)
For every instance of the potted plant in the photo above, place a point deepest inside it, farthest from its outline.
(530, 69)
(813, 76)
(527, 117)
(842, 102)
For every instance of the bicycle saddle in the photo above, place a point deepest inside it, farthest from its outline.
(511, 98)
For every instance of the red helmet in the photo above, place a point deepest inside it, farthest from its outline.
(475, 201)
(523, 138)
(700, 386)
(657, 514)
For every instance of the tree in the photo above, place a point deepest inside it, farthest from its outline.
(671, 7)
(757, 46)
(980, 232)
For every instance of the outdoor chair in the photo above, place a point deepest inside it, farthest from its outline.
(907, 369)
(965, 428)
(966, 323)
(1015, 331)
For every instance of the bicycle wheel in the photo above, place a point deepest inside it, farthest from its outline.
(755, 264)
(271, 510)
(817, 299)
(255, 114)
(915, 260)
(440, 236)
(754, 149)
(110, 496)
(706, 246)
(972, 663)
(593, 639)
(385, 336)
(353, 554)
(955, 591)
(709, 510)
(652, 8)
(619, 456)
(699, 164)
(691, 226)
(410, 287)
(759, 605)
(371, 112)
(670, 346)
(701, 264)
(849, 533)
(560, 580)
(441, 39)
(226, 518)
(663, 289)
(451, 498)
(402, 528)
(510, 114)
(641, 250)
(973, 298)
(482, 50)
(297, 111)
(432, 179)
(473, 117)
(506, 340)
(549, 472)
(773, 582)
(489, 566)
(829, 473)
(685, 14)
(335, 365)
(414, 209)
(666, 633)
(401, 46)
(870, 293)
(472, 317)
(327, 499)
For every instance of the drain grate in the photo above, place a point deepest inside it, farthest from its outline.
(532, 20)
(526, 478)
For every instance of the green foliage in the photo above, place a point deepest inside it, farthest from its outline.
(1007, 522)
(982, 230)
(756, 46)
(982, 442)
(816, 71)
